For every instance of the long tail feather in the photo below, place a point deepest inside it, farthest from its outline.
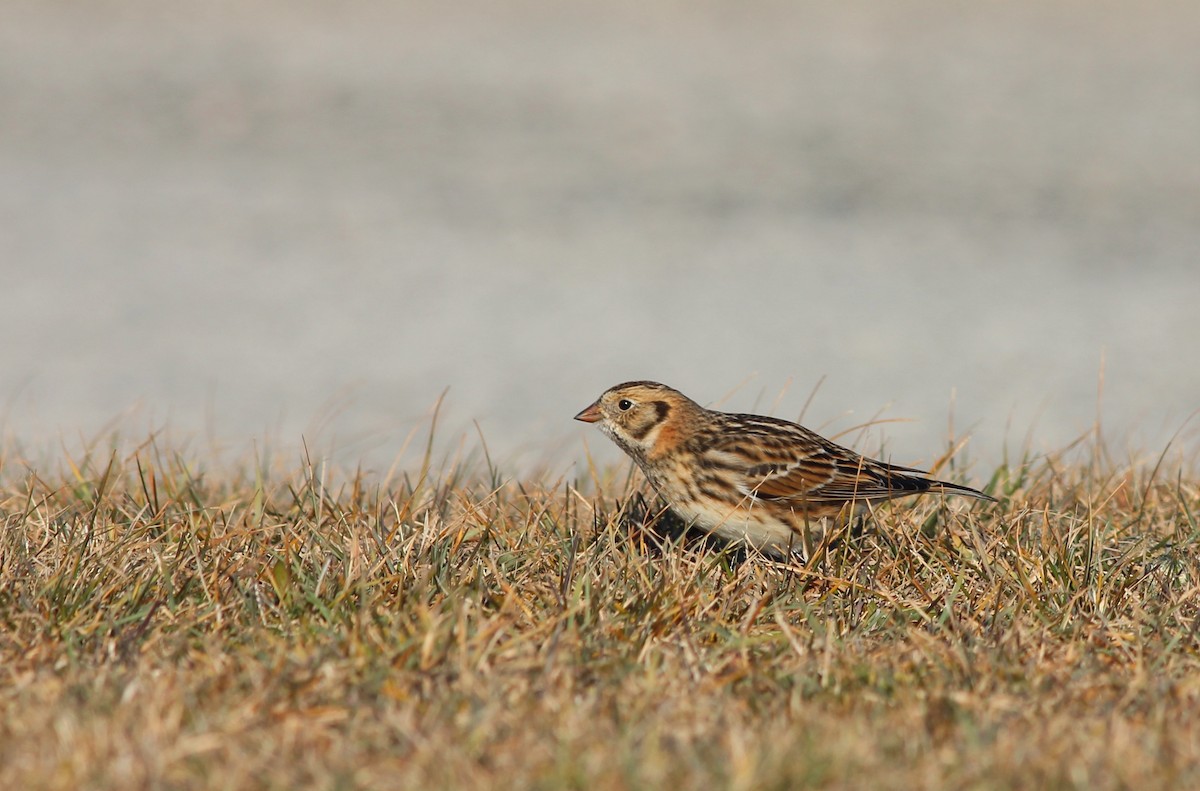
(946, 487)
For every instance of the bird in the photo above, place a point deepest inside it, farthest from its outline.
(753, 480)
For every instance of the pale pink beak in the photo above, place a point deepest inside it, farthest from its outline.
(591, 414)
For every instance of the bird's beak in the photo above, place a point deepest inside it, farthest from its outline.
(591, 414)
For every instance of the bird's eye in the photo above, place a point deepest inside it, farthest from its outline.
(624, 405)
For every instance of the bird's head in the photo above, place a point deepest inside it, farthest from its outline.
(634, 414)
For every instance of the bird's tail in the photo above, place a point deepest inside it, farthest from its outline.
(945, 487)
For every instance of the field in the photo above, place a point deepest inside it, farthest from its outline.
(169, 622)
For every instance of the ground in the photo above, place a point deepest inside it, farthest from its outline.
(171, 623)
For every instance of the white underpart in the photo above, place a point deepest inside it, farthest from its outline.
(755, 527)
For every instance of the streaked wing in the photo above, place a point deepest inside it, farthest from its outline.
(802, 478)
(778, 460)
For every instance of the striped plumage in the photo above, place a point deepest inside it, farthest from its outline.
(766, 482)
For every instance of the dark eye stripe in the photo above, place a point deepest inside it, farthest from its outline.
(662, 408)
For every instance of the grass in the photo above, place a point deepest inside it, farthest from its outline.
(164, 624)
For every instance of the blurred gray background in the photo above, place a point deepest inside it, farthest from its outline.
(238, 220)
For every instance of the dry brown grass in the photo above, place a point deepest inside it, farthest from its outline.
(167, 625)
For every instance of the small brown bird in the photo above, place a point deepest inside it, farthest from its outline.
(757, 480)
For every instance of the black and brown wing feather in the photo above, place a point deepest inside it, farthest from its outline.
(778, 460)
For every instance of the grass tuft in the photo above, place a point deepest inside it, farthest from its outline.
(164, 623)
